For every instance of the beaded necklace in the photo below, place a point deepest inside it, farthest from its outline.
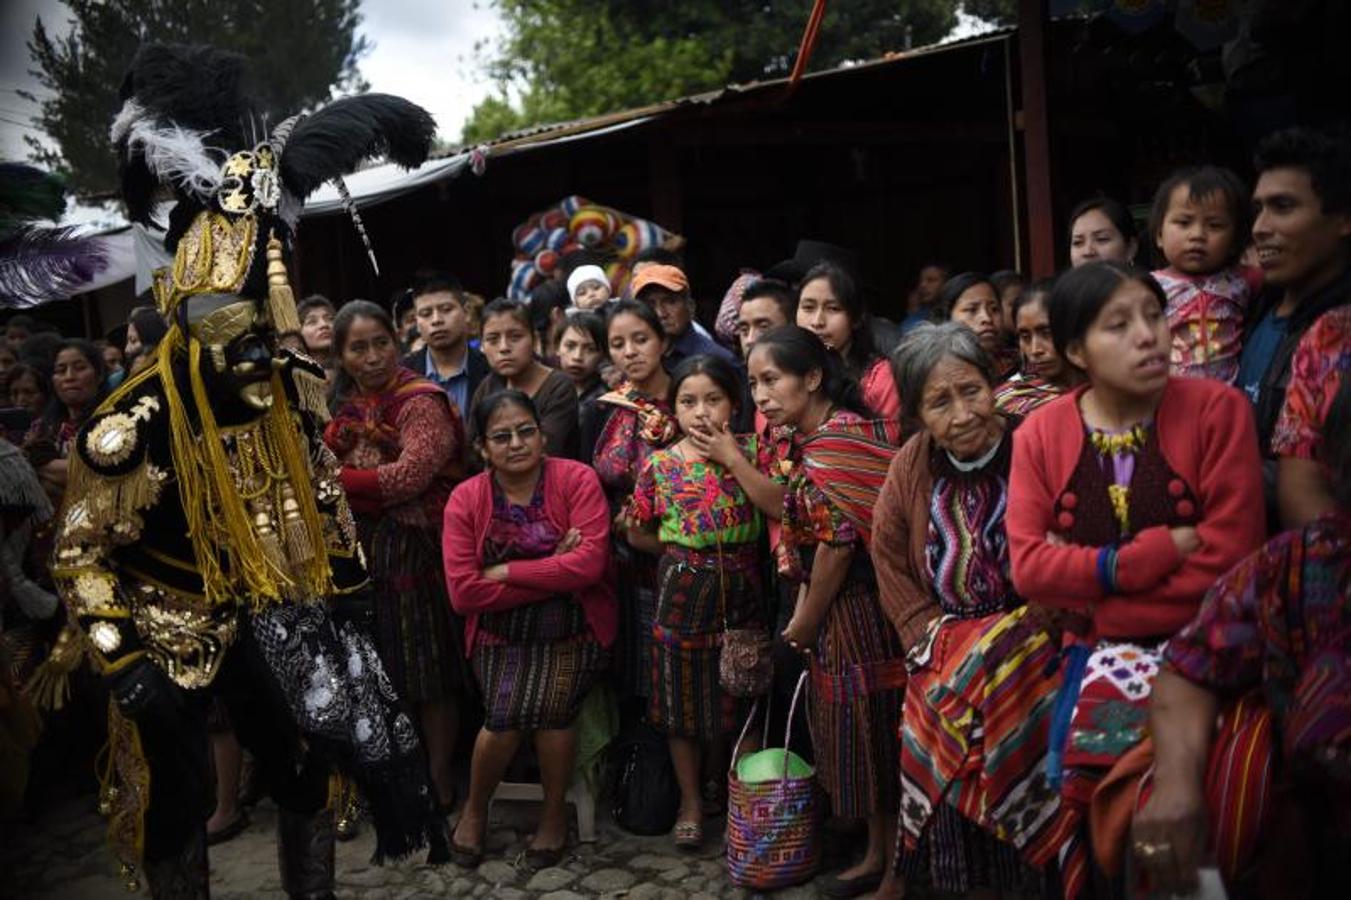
(1121, 447)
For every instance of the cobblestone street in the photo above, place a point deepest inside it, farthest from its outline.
(64, 857)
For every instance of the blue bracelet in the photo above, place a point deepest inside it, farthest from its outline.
(1107, 570)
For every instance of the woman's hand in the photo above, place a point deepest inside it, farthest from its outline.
(1168, 836)
(801, 634)
(716, 444)
(1185, 539)
(496, 573)
(570, 542)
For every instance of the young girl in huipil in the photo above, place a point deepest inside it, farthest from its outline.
(1200, 224)
(696, 514)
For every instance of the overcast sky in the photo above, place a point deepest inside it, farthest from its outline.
(423, 50)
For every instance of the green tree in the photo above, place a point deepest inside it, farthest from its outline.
(299, 51)
(564, 59)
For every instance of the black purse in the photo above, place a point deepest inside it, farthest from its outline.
(645, 796)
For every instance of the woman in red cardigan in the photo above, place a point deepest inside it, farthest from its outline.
(526, 550)
(1128, 498)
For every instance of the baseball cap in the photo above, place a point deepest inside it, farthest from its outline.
(668, 277)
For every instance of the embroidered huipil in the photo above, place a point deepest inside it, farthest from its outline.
(697, 503)
(1205, 317)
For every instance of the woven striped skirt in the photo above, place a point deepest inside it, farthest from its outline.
(857, 684)
(535, 665)
(973, 743)
(636, 592)
(687, 698)
(420, 641)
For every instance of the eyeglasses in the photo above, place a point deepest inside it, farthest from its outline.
(503, 438)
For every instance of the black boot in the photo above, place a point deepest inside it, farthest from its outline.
(183, 876)
(305, 845)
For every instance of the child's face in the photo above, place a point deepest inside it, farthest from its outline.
(700, 405)
(1197, 237)
(509, 345)
(578, 354)
(591, 295)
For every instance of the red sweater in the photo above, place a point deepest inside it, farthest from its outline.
(1207, 436)
(573, 499)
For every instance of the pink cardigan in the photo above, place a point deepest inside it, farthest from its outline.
(1206, 434)
(573, 499)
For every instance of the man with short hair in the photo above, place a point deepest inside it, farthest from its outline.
(1302, 235)
(667, 291)
(766, 304)
(919, 304)
(446, 357)
(17, 330)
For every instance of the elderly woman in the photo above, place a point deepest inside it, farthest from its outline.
(526, 547)
(400, 444)
(942, 561)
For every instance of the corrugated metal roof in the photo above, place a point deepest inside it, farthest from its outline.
(539, 135)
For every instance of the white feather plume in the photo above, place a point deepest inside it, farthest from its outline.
(130, 113)
(177, 155)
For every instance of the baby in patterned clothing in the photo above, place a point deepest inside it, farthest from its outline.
(1200, 221)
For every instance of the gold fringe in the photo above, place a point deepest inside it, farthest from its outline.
(281, 302)
(112, 500)
(124, 790)
(216, 514)
(49, 685)
(312, 393)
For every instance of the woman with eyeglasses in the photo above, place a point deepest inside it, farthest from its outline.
(400, 443)
(526, 546)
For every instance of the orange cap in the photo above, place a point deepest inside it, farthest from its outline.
(668, 277)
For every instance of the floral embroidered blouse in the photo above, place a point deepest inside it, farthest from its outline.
(696, 503)
(637, 426)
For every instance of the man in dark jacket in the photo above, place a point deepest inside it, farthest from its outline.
(446, 357)
(1302, 234)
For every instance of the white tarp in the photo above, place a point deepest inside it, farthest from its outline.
(383, 182)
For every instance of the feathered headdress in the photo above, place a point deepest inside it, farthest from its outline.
(189, 130)
(189, 133)
(40, 263)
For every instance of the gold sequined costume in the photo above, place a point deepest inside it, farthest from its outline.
(206, 549)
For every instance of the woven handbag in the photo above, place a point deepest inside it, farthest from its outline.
(773, 827)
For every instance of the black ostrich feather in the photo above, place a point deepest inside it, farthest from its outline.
(41, 264)
(336, 139)
(28, 193)
(179, 102)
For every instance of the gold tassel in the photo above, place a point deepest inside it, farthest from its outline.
(49, 686)
(281, 302)
(285, 433)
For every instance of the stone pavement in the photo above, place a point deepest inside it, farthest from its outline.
(64, 857)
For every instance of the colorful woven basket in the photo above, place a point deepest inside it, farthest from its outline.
(773, 827)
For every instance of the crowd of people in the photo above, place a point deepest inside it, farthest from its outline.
(1066, 562)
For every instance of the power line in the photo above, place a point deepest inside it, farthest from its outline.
(26, 125)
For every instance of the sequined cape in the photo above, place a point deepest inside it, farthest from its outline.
(123, 561)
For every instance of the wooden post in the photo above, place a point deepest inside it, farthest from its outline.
(1036, 137)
